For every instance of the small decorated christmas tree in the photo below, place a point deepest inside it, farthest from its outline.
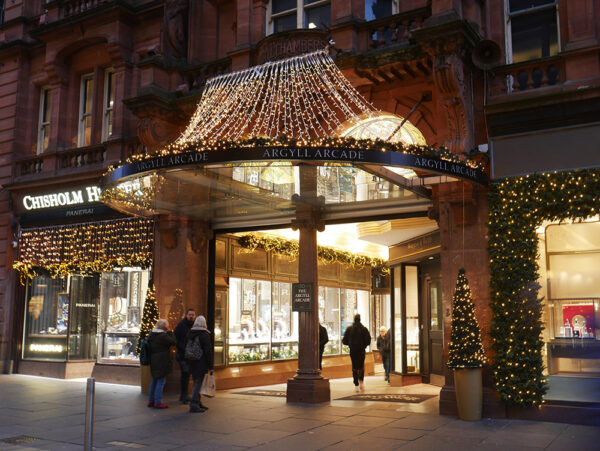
(176, 310)
(466, 349)
(150, 316)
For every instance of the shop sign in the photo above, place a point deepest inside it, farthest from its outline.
(46, 348)
(88, 194)
(298, 154)
(416, 246)
(302, 297)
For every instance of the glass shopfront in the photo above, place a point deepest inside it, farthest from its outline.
(407, 332)
(85, 316)
(262, 325)
(569, 260)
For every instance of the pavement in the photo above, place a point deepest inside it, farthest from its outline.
(41, 413)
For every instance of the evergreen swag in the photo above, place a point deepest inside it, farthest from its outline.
(281, 246)
(466, 349)
(150, 316)
(517, 207)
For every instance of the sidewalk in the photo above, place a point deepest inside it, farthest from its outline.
(40, 413)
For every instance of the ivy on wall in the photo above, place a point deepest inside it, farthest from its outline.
(517, 207)
(291, 248)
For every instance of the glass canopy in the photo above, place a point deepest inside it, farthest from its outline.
(259, 194)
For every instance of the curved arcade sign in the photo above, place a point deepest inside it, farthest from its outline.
(298, 155)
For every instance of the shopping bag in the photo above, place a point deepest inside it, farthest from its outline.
(208, 385)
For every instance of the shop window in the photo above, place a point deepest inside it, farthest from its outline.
(83, 324)
(532, 31)
(122, 296)
(220, 330)
(108, 104)
(44, 120)
(285, 323)
(84, 135)
(46, 319)
(413, 341)
(351, 303)
(285, 15)
(329, 316)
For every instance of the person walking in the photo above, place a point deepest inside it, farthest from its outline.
(357, 337)
(160, 341)
(323, 340)
(181, 332)
(384, 347)
(199, 362)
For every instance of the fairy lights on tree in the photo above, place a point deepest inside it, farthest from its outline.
(150, 315)
(466, 349)
(517, 207)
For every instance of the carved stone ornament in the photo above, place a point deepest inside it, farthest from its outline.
(155, 132)
(176, 28)
(168, 227)
(199, 233)
(453, 88)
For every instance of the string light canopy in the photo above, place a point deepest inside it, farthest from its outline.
(302, 97)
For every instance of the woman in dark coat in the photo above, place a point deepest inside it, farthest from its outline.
(160, 342)
(199, 368)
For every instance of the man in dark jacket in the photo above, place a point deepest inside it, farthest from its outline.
(323, 340)
(160, 341)
(199, 367)
(357, 337)
(181, 332)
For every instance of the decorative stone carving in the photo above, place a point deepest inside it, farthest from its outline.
(155, 132)
(199, 233)
(176, 28)
(168, 227)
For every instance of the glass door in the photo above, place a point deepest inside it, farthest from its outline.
(83, 323)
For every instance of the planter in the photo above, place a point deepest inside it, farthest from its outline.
(469, 393)
(145, 378)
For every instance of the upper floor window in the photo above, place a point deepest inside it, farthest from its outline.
(376, 9)
(44, 120)
(84, 135)
(109, 100)
(532, 30)
(285, 15)
(2, 7)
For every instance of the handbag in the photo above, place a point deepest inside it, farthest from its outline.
(208, 385)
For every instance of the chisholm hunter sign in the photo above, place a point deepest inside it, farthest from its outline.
(297, 154)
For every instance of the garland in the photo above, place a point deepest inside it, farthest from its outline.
(290, 248)
(517, 207)
(89, 248)
(441, 153)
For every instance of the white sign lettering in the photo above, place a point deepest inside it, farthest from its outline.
(63, 199)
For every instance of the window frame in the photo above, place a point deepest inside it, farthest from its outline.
(535, 9)
(42, 124)
(107, 108)
(83, 114)
(395, 10)
(300, 6)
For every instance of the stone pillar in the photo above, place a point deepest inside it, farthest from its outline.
(461, 210)
(308, 386)
(180, 262)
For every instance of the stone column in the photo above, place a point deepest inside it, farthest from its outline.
(308, 386)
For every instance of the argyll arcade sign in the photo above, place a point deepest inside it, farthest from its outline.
(300, 154)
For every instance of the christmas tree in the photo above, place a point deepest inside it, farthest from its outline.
(150, 316)
(466, 350)
(176, 310)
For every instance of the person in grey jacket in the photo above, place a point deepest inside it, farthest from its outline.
(160, 342)
(199, 368)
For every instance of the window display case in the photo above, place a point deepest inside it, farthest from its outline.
(122, 295)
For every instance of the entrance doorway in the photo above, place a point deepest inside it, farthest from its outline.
(417, 326)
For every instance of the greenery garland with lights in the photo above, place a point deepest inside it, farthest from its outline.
(517, 207)
(291, 248)
(88, 248)
(442, 152)
(466, 349)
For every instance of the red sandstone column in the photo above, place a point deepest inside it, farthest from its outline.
(308, 386)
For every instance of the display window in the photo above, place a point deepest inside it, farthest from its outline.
(569, 258)
(122, 295)
(262, 325)
(85, 316)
